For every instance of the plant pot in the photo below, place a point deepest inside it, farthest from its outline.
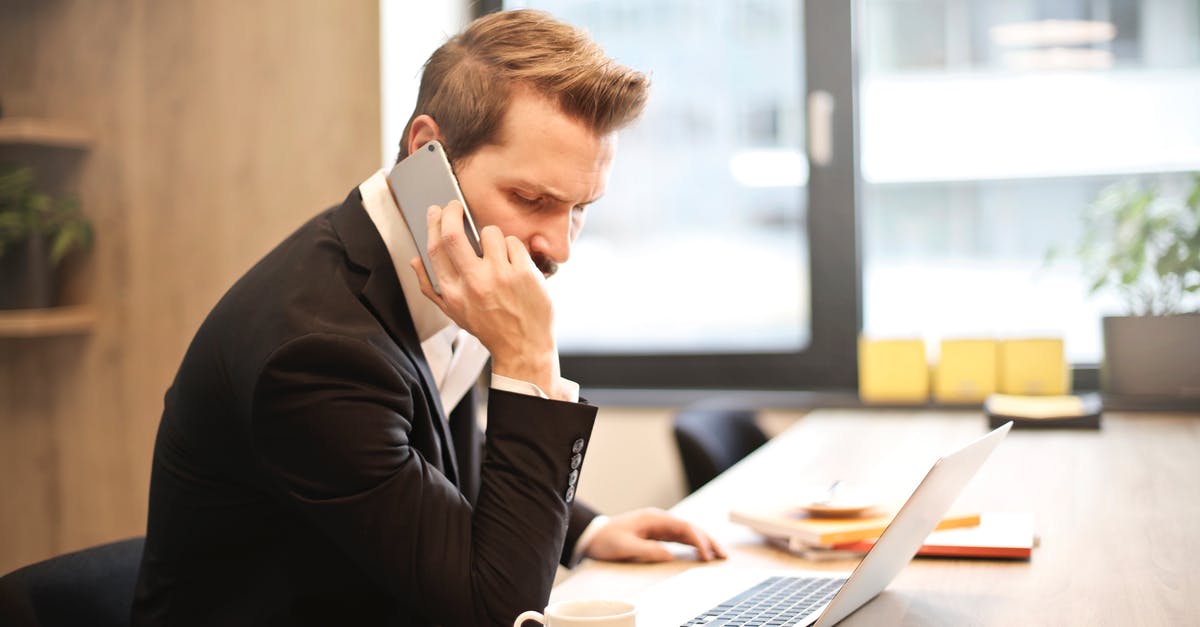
(26, 278)
(1152, 356)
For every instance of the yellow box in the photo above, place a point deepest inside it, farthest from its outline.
(892, 371)
(1033, 367)
(966, 371)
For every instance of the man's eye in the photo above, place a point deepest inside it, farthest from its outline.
(529, 202)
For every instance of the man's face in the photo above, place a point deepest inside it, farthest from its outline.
(536, 180)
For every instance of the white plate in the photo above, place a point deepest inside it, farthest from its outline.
(837, 510)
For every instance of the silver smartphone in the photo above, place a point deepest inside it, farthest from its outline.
(425, 178)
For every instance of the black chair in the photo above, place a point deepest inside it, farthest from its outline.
(711, 439)
(92, 588)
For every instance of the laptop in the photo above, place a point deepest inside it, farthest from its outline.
(719, 596)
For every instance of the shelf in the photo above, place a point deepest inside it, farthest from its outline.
(44, 132)
(50, 322)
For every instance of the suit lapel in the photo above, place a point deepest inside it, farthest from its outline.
(382, 293)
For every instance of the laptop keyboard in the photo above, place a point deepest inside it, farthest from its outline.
(775, 601)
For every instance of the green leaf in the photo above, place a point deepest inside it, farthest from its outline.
(1193, 199)
(24, 212)
(64, 243)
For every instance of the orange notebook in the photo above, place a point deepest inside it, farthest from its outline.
(799, 527)
(1003, 535)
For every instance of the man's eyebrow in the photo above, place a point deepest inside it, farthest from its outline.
(550, 192)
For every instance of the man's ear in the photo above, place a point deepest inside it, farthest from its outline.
(422, 131)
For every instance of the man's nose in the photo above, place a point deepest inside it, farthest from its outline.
(554, 239)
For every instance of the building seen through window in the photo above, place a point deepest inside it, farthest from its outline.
(987, 127)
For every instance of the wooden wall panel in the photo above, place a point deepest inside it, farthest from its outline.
(220, 127)
(28, 468)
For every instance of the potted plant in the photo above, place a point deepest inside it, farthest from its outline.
(37, 232)
(1142, 243)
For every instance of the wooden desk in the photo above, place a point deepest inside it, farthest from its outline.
(1117, 512)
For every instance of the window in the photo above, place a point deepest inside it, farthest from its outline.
(966, 137)
(986, 128)
(704, 211)
(696, 268)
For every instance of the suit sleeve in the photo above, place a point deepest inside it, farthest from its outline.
(580, 517)
(333, 426)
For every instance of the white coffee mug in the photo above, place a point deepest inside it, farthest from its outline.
(584, 614)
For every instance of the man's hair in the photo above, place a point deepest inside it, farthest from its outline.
(467, 82)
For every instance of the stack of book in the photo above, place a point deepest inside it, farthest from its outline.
(988, 535)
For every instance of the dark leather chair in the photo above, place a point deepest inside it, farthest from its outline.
(92, 588)
(711, 439)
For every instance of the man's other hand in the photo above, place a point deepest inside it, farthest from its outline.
(638, 536)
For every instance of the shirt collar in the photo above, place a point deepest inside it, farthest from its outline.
(385, 214)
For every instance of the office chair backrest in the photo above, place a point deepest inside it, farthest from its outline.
(710, 440)
(92, 588)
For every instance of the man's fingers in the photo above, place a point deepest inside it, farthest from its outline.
(718, 550)
(426, 287)
(454, 237)
(492, 242)
(671, 529)
(518, 255)
(642, 550)
(443, 265)
(690, 535)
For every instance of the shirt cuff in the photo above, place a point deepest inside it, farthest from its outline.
(516, 386)
(585, 538)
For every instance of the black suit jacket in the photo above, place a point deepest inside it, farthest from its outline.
(304, 473)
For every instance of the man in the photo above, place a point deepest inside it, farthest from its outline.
(318, 460)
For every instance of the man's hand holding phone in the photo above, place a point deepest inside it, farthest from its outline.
(500, 298)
